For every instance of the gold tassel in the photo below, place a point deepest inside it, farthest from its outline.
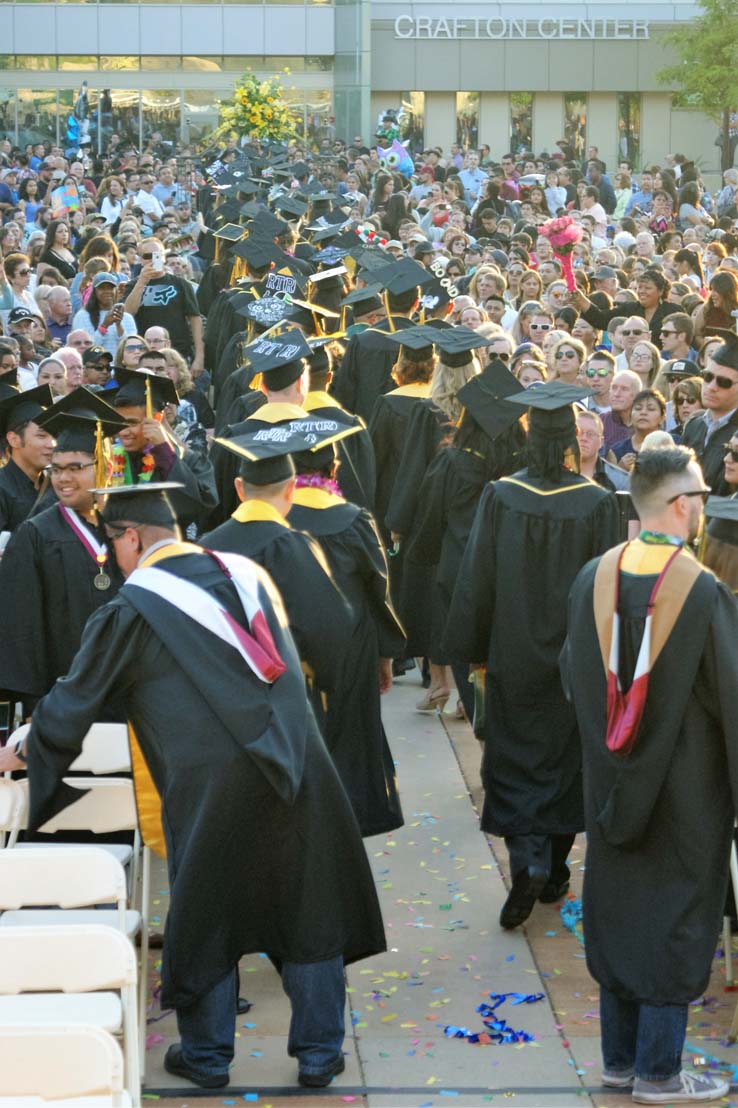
(149, 402)
(385, 301)
(101, 458)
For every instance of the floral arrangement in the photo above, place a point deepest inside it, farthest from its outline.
(316, 481)
(369, 234)
(258, 109)
(564, 233)
(122, 473)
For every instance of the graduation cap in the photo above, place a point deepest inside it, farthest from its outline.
(231, 232)
(265, 311)
(330, 255)
(457, 344)
(139, 388)
(10, 378)
(258, 252)
(723, 510)
(311, 316)
(267, 225)
(727, 354)
(323, 234)
(359, 296)
(225, 213)
(80, 421)
(486, 399)
(279, 357)
(300, 169)
(18, 408)
(250, 210)
(401, 276)
(285, 280)
(435, 295)
(551, 406)
(291, 206)
(146, 504)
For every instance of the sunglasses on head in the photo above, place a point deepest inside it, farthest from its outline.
(722, 382)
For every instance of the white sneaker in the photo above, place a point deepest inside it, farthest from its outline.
(684, 1088)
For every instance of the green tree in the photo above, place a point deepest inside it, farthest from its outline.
(707, 67)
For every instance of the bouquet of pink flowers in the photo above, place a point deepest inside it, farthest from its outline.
(563, 233)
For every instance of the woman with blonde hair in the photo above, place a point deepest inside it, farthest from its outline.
(179, 372)
(645, 360)
(130, 351)
(568, 356)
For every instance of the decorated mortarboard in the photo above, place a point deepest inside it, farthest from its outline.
(231, 232)
(486, 398)
(723, 512)
(146, 504)
(727, 354)
(266, 311)
(401, 276)
(435, 295)
(139, 387)
(290, 206)
(18, 408)
(330, 255)
(279, 357)
(284, 280)
(324, 275)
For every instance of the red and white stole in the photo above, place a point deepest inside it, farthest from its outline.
(668, 596)
(256, 645)
(97, 550)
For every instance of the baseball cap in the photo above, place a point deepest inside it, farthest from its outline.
(95, 354)
(104, 278)
(604, 273)
(17, 315)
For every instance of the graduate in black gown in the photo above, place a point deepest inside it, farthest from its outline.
(487, 444)
(22, 484)
(366, 369)
(145, 452)
(56, 570)
(532, 533)
(319, 617)
(720, 553)
(353, 549)
(233, 781)
(657, 719)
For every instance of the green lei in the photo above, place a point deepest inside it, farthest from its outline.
(659, 538)
(122, 472)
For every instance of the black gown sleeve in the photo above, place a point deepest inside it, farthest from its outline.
(430, 518)
(24, 664)
(343, 385)
(195, 472)
(372, 565)
(467, 634)
(719, 665)
(422, 440)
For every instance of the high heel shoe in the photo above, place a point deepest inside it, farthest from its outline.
(433, 701)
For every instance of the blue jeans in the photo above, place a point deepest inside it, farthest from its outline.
(317, 992)
(642, 1037)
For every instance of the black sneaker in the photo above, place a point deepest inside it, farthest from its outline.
(527, 886)
(320, 1080)
(175, 1064)
(554, 890)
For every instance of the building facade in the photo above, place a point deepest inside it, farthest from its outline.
(516, 75)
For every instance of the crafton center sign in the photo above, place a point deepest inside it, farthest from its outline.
(427, 27)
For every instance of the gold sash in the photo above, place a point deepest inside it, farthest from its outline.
(258, 511)
(309, 497)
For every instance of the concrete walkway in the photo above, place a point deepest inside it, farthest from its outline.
(441, 889)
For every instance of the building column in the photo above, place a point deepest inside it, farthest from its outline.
(655, 127)
(602, 127)
(440, 119)
(494, 122)
(352, 70)
(548, 120)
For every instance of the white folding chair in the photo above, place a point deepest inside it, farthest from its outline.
(68, 1067)
(12, 810)
(63, 975)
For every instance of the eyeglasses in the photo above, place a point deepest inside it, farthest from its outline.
(629, 334)
(732, 452)
(22, 272)
(603, 372)
(73, 467)
(722, 382)
(566, 354)
(540, 326)
(668, 332)
(702, 493)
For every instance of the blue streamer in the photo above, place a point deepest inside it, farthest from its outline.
(498, 1028)
(571, 915)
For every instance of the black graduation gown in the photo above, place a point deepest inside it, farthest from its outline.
(263, 851)
(354, 730)
(366, 370)
(19, 496)
(528, 542)
(228, 363)
(659, 821)
(447, 504)
(357, 468)
(47, 594)
(193, 469)
(320, 620)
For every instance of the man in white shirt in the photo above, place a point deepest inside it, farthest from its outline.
(147, 202)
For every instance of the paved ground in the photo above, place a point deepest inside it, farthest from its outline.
(442, 885)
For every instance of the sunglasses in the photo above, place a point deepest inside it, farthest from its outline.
(668, 332)
(732, 452)
(604, 372)
(722, 382)
(566, 354)
(540, 326)
(702, 493)
(631, 333)
(135, 346)
(23, 272)
(503, 356)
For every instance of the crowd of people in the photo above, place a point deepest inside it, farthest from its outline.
(389, 394)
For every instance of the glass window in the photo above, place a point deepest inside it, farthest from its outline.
(321, 123)
(120, 63)
(37, 116)
(467, 119)
(200, 113)
(197, 64)
(160, 111)
(7, 61)
(7, 114)
(575, 122)
(412, 121)
(35, 61)
(78, 115)
(629, 127)
(240, 63)
(521, 122)
(276, 63)
(82, 62)
(120, 113)
(166, 62)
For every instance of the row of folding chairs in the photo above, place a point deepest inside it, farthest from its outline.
(79, 880)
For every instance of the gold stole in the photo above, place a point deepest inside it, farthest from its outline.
(309, 497)
(148, 801)
(644, 559)
(258, 511)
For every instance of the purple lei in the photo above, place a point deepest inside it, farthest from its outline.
(315, 481)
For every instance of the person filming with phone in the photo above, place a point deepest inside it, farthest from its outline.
(158, 299)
